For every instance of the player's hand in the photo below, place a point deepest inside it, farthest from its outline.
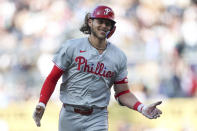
(38, 113)
(151, 111)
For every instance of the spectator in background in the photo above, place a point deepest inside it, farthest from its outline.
(39, 26)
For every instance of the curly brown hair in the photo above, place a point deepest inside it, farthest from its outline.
(85, 27)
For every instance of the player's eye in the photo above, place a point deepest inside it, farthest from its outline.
(106, 22)
(100, 21)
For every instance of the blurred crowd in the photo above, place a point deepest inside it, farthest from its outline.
(159, 38)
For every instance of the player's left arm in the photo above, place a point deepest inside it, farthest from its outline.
(46, 92)
(127, 98)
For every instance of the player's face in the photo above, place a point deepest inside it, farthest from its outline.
(100, 27)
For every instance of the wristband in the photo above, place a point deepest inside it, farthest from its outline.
(42, 104)
(138, 106)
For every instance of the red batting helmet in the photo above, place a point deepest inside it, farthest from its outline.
(103, 12)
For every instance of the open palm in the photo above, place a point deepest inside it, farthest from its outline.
(151, 111)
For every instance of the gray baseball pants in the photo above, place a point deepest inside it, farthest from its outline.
(69, 120)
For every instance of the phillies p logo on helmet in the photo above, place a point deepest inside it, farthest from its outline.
(107, 10)
(104, 12)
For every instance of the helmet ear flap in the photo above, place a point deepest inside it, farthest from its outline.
(111, 32)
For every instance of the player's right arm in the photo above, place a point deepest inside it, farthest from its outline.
(46, 92)
(127, 98)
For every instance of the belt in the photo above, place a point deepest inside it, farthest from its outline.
(83, 110)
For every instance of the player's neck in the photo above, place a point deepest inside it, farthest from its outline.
(98, 43)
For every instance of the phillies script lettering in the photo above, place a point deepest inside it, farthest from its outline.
(100, 70)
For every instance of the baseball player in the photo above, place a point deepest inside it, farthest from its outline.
(89, 67)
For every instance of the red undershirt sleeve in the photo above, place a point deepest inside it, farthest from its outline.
(49, 84)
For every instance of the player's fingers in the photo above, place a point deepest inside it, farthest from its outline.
(37, 116)
(158, 115)
(151, 117)
(156, 103)
(155, 117)
(159, 111)
(154, 114)
(37, 121)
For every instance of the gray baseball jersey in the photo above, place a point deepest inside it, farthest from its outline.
(88, 75)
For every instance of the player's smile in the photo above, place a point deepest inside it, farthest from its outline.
(102, 32)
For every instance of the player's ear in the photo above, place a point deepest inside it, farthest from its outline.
(90, 21)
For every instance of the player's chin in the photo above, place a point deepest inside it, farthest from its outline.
(102, 35)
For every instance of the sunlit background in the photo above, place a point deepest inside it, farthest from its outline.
(159, 38)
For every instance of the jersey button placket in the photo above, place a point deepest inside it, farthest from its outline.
(90, 86)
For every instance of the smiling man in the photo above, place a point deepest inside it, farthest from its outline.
(89, 67)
